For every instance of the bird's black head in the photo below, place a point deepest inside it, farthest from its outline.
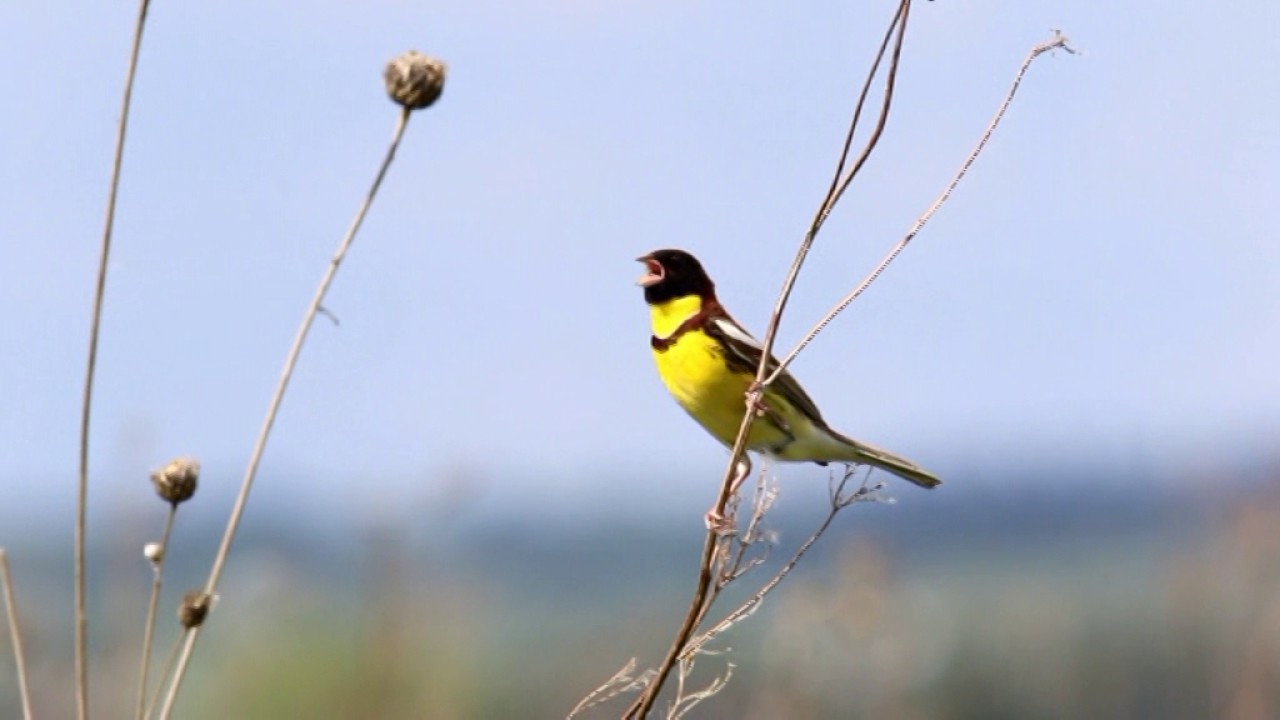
(671, 274)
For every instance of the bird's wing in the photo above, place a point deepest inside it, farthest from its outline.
(742, 352)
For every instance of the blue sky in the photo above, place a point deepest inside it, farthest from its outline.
(1104, 283)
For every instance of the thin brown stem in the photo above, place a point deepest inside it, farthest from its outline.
(15, 631)
(622, 681)
(82, 491)
(897, 31)
(839, 180)
(157, 576)
(166, 671)
(1058, 41)
(698, 607)
(219, 561)
(730, 561)
(754, 601)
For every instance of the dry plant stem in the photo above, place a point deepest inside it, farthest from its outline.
(839, 183)
(148, 633)
(698, 606)
(735, 555)
(167, 670)
(683, 703)
(1058, 41)
(754, 601)
(19, 656)
(731, 552)
(622, 681)
(82, 492)
(605, 687)
(219, 561)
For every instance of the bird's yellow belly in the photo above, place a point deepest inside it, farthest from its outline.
(695, 373)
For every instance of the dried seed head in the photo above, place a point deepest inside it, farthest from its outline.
(176, 482)
(153, 552)
(415, 80)
(195, 606)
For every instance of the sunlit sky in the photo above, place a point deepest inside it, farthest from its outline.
(1103, 284)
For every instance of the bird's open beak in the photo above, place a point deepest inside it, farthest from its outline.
(653, 274)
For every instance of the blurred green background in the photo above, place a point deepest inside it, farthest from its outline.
(1065, 595)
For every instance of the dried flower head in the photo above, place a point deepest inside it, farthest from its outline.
(176, 482)
(415, 80)
(195, 606)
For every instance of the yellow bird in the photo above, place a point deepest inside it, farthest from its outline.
(708, 363)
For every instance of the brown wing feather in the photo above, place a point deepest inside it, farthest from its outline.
(744, 357)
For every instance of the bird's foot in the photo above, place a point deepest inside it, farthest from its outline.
(719, 524)
(717, 521)
(755, 398)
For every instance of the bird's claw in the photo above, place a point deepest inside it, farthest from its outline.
(719, 524)
(755, 399)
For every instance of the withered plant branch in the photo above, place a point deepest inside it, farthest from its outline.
(896, 31)
(211, 586)
(683, 702)
(82, 489)
(166, 671)
(842, 179)
(732, 558)
(1058, 41)
(148, 632)
(839, 501)
(15, 632)
(622, 681)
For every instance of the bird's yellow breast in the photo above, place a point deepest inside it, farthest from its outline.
(695, 372)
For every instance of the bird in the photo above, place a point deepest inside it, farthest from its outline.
(708, 363)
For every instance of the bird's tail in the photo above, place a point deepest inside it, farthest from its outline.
(867, 454)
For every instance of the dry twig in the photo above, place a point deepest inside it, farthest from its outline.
(156, 557)
(82, 490)
(175, 484)
(170, 659)
(414, 81)
(1058, 41)
(685, 702)
(621, 682)
(273, 408)
(839, 501)
(19, 655)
